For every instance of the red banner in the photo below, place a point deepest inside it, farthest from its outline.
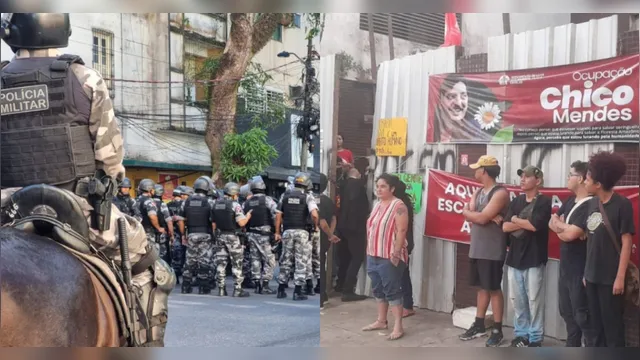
(169, 182)
(587, 102)
(448, 193)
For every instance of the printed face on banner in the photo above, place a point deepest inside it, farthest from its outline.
(448, 193)
(587, 102)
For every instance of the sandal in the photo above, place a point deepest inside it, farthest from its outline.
(373, 327)
(395, 336)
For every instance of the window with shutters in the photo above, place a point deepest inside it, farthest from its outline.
(260, 101)
(103, 55)
(421, 28)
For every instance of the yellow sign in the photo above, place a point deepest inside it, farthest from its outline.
(392, 137)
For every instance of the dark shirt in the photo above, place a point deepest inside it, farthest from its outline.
(327, 210)
(602, 256)
(573, 254)
(532, 249)
(354, 208)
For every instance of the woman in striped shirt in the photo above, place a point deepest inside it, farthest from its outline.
(387, 255)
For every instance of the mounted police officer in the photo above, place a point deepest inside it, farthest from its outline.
(259, 230)
(197, 223)
(123, 200)
(296, 205)
(177, 249)
(228, 218)
(67, 136)
(166, 222)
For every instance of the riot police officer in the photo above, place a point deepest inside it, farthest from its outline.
(177, 249)
(166, 221)
(228, 218)
(197, 223)
(81, 143)
(149, 210)
(296, 206)
(313, 266)
(259, 230)
(123, 200)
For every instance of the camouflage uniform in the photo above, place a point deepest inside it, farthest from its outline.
(295, 247)
(199, 250)
(260, 246)
(229, 245)
(147, 203)
(313, 267)
(162, 239)
(177, 249)
(109, 154)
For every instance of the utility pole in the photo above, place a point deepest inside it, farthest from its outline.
(308, 102)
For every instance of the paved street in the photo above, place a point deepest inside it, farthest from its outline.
(257, 321)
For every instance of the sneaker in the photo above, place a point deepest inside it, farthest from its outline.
(520, 342)
(474, 332)
(535, 344)
(495, 339)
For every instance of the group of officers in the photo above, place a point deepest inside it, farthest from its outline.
(203, 230)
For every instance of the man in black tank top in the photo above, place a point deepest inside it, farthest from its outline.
(485, 212)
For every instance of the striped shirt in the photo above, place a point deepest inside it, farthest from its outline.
(381, 231)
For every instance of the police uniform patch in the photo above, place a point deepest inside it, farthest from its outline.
(196, 203)
(221, 206)
(24, 99)
(293, 200)
(594, 221)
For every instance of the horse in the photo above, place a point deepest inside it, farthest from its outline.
(51, 294)
(49, 298)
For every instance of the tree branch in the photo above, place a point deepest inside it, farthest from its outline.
(263, 29)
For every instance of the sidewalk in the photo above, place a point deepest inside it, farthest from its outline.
(340, 325)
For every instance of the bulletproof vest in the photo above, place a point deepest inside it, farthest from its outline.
(121, 203)
(44, 126)
(224, 215)
(161, 220)
(261, 215)
(197, 211)
(146, 223)
(174, 207)
(294, 210)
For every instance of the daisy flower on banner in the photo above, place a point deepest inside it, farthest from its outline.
(488, 116)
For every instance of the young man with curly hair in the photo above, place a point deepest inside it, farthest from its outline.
(605, 269)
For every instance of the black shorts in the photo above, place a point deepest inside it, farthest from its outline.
(486, 274)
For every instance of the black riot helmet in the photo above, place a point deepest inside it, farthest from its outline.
(231, 189)
(146, 185)
(158, 190)
(212, 186)
(35, 30)
(178, 191)
(187, 190)
(245, 191)
(126, 183)
(201, 185)
(302, 180)
(258, 185)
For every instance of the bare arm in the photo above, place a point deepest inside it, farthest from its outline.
(402, 226)
(499, 200)
(569, 233)
(625, 254)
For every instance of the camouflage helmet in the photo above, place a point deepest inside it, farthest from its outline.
(202, 184)
(231, 189)
(126, 183)
(146, 185)
(178, 191)
(245, 190)
(302, 179)
(159, 190)
(187, 190)
(257, 183)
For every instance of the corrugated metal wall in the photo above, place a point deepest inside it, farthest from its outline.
(402, 91)
(567, 44)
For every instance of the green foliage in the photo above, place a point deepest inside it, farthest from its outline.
(252, 85)
(246, 155)
(316, 21)
(347, 63)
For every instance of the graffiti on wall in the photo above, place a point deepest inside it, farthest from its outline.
(545, 151)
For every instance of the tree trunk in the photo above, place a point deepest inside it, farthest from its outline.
(245, 40)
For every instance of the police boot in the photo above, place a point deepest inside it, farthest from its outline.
(222, 291)
(317, 289)
(266, 289)
(298, 295)
(240, 293)
(309, 288)
(205, 290)
(281, 291)
(258, 286)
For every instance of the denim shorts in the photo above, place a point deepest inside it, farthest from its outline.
(386, 279)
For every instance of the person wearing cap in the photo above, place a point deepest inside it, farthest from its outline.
(527, 225)
(485, 212)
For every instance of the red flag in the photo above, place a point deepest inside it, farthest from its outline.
(452, 35)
